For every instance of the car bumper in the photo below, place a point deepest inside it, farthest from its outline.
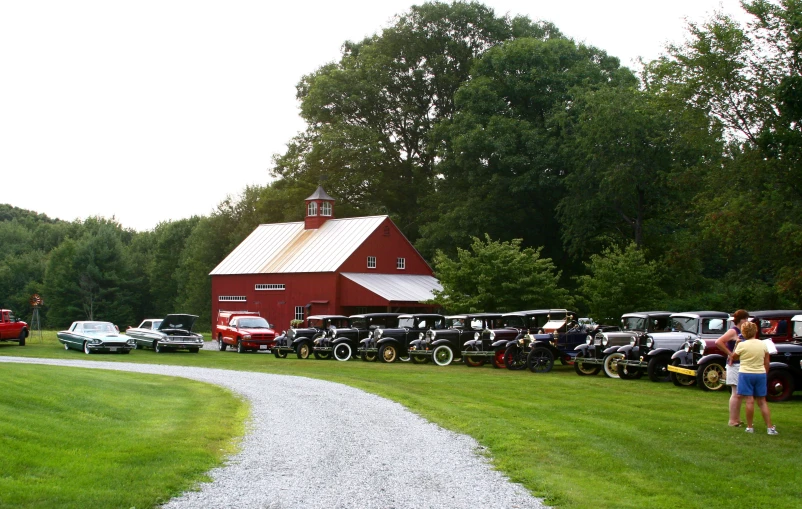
(180, 345)
(109, 348)
(258, 345)
(681, 370)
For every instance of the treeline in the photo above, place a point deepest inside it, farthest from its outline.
(463, 125)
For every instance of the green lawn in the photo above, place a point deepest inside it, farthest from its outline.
(77, 438)
(577, 441)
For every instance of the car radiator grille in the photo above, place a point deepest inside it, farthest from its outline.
(263, 337)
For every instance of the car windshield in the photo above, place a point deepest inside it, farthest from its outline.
(519, 322)
(684, 324)
(430, 322)
(339, 323)
(455, 323)
(253, 323)
(359, 323)
(99, 327)
(477, 323)
(156, 323)
(406, 322)
(633, 323)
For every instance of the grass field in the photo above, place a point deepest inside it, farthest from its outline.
(576, 441)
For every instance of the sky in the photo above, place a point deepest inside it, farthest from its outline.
(152, 111)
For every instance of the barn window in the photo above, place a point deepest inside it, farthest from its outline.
(371, 262)
(325, 208)
(400, 263)
(299, 312)
(386, 231)
(311, 209)
(269, 287)
(232, 298)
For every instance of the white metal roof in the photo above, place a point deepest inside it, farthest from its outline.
(397, 287)
(288, 247)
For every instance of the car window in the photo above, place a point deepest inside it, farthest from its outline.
(146, 325)
(77, 327)
(659, 324)
(477, 323)
(359, 323)
(797, 329)
(156, 323)
(773, 327)
(406, 322)
(514, 321)
(633, 323)
(714, 326)
(684, 324)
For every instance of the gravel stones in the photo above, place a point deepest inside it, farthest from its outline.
(314, 444)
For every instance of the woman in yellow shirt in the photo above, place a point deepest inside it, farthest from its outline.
(754, 358)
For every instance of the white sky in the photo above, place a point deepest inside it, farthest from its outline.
(151, 111)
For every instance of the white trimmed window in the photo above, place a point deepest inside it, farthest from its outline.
(400, 263)
(325, 208)
(311, 209)
(232, 298)
(299, 312)
(269, 287)
(371, 262)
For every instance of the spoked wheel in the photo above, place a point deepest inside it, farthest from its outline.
(540, 360)
(442, 355)
(498, 359)
(583, 369)
(658, 369)
(368, 356)
(628, 372)
(388, 353)
(279, 353)
(473, 361)
(679, 379)
(514, 359)
(711, 377)
(780, 385)
(419, 359)
(610, 364)
(342, 351)
(322, 356)
(303, 350)
(220, 344)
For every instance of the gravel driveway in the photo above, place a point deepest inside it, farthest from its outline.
(315, 444)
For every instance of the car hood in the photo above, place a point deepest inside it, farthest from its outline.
(106, 336)
(184, 322)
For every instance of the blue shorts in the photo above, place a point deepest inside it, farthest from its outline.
(752, 384)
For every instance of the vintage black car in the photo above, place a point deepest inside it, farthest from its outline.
(517, 351)
(392, 344)
(476, 350)
(442, 346)
(300, 341)
(601, 349)
(342, 343)
(701, 359)
(560, 342)
(785, 367)
(493, 341)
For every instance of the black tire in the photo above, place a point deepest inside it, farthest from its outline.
(194, 350)
(657, 369)
(498, 359)
(583, 369)
(158, 347)
(679, 379)
(419, 359)
(443, 355)
(628, 372)
(279, 354)
(342, 352)
(66, 346)
(221, 345)
(368, 356)
(780, 385)
(471, 361)
(610, 364)
(540, 360)
(22, 335)
(303, 350)
(388, 353)
(240, 348)
(87, 351)
(514, 359)
(322, 356)
(711, 377)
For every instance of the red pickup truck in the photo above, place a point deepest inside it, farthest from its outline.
(11, 328)
(245, 330)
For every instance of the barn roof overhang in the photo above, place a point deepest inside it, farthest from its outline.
(397, 287)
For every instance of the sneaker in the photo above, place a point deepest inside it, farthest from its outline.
(773, 431)
(750, 430)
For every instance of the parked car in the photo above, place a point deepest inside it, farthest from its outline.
(173, 332)
(12, 328)
(492, 343)
(477, 350)
(94, 337)
(443, 346)
(601, 348)
(785, 367)
(343, 343)
(517, 351)
(563, 338)
(701, 359)
(300, 341)
(392, 344)
(245, 330)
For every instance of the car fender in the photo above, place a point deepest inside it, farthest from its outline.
(612, 349)
(443, 342)
(339, 340)
(472, 342)
(583, 349)
(684, 357)
(660, 351)
(713, 357)
(501, 343)
(298, 341)
(779, 366)
(626, 349)
(387, 341)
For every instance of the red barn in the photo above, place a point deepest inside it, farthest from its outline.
(323, 265)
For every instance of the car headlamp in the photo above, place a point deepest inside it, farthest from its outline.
(605, 340)
(650, 341)
(589, 339)
(475, 336)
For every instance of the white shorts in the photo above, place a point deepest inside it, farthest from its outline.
(732, 374)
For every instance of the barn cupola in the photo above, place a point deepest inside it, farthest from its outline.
(319, 209)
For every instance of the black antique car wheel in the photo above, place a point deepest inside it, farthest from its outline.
(322, 356)
(240, 348)
(342, 351)
(221, 345)
(498, 359)
(514, 359)
(472, 361)
(780, 385)
(419, 359)
(540, 360)
(583, 369)
(368, 356)
(679, 379)
(388, 353)
(442, 355)
(711, 377)
(279, 354)
(627, 372)
(610, 364)
(658, 369)
(303, 351)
